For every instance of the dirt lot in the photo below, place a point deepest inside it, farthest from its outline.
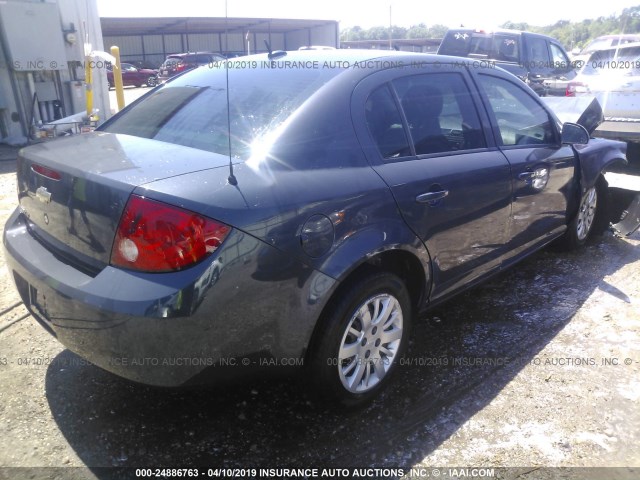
(538, 368)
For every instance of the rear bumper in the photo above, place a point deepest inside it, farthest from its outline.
(164, 329)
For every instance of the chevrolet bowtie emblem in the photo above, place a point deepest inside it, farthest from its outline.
(43, 195)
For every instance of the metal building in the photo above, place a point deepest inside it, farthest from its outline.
(424, 45)
(42, 63)
(150, 40)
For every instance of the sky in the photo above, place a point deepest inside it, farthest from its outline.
(369, 13)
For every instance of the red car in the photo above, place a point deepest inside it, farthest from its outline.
(134, 76)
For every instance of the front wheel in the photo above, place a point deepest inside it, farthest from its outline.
(361, 339)
(590, 218)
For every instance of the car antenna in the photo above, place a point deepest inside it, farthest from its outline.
(231, 178)
(272, 54)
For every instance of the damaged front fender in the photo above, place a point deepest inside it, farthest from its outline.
(596, 157)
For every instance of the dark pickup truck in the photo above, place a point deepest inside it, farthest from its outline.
(540, 61)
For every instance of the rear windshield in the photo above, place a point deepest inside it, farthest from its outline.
(625, 61)
(192, 110)
(172, 60)
(491, 46)
(602, 43)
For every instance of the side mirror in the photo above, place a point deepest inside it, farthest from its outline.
(572, 134)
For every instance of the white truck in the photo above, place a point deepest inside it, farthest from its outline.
(612, 75)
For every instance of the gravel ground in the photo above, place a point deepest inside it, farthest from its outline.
(538, 368)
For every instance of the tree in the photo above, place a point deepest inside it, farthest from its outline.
(437, 31)
(418, 31)
(569, 34)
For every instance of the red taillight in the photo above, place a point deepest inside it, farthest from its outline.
(46, 172)
(180, 67)
(576, 87)
(157, 237)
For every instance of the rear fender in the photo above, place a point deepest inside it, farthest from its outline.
(362, 246)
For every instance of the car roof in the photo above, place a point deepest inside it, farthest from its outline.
(351, 55)
(623, 46)
(618, 35)
(359, 62)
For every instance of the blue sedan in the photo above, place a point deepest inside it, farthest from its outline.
(296, 210)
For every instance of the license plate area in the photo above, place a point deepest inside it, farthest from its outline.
(32, 300)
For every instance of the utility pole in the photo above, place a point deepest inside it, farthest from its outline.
(390, 29)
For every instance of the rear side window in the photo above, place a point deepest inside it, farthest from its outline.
(440, 113)
(385, 124)
(456, 43)
(172, 60)
(192, 110)
(521, 120)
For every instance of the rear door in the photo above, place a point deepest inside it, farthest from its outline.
(422, 131)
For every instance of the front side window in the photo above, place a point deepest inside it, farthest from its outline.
(521, 119)
(560, 60)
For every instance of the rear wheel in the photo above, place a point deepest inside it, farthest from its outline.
(152, 81)
(362, 338)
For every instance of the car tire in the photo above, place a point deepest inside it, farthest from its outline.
(591, 217)
(109, 86)
(152, 81)
(361, 339)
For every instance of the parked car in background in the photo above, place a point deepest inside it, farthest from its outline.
(238, 218)
(538, 60)
(131, 75)
(579, 57)
(182, 62)
(316, 47)
(144, 64)
(612, 75)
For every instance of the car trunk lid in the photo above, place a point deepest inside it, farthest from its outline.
(73, 191)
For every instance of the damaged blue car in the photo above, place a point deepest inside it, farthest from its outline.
(294, 209)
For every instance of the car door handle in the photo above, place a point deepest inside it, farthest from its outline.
(526, 176)
(432, 197)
